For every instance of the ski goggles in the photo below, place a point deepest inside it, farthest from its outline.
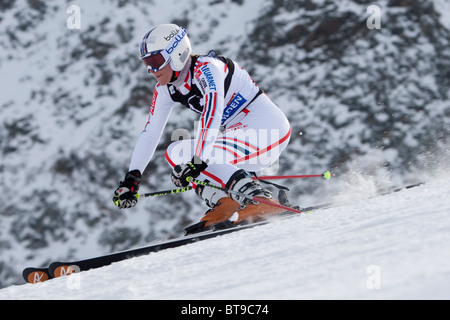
(156, 61)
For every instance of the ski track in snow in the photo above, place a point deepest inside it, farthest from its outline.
(395, 246)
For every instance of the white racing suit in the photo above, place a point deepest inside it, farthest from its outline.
(239, 126)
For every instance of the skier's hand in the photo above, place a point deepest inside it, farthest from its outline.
(193, 168)
(126, 195)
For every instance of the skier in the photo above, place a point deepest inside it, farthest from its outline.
(240, 129)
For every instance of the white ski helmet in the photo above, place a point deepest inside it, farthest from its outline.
(163, 44)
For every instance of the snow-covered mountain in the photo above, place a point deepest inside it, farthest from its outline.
(73, 102)
(395, 246)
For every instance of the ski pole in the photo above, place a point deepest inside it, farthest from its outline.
(253, 198)
(165, 192)
(327, 175)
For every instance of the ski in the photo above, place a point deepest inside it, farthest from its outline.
(36, 275)
(60, 269)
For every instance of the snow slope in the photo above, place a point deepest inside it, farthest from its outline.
(395, 246)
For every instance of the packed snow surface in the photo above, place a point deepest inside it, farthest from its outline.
(394, 246)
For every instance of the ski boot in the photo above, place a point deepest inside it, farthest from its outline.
(222, 208)
(255, 212)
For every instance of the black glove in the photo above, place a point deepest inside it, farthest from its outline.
(126, 195)
(191, 169)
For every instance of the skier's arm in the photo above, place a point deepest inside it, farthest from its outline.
(126, 195)
(148, 140)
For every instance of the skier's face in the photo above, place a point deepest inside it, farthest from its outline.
(163, 75)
